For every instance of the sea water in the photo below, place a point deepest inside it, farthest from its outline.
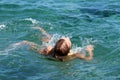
(95, 22)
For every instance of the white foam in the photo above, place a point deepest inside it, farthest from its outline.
(53, 40)
(32, 20)
(11, 47)
(75, 48)
(87, 41)
(84, 43)
(2, 26)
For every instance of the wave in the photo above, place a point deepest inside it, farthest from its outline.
(31, 20)
(102, 13)
(11, 47)
(75, 47)
(113, 55)
(8, 6)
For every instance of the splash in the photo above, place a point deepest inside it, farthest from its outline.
(76, 49)
(53, 40)
(85, 42)
(2, 26)
(32, 20)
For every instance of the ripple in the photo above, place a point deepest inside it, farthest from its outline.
(87, 22)
(99, 12)
(32, 20)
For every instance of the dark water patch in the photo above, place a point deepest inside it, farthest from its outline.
(113, 6)
(65, 24)
(113, 55)
(10, 14)
(14, 69)
(100, 13)
(9, 6)
(86, 17)
(114, 71)
(69, 20)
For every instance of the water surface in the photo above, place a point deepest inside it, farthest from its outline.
(95, 22)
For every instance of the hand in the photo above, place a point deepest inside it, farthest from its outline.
(89, 48)
(81, 56)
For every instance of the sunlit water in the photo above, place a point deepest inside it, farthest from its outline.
(95, 22)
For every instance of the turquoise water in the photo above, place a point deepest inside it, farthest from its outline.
(95, 22)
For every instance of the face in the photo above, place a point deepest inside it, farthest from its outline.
(67, 40)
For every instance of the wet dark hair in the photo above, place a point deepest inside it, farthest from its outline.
(61, 48)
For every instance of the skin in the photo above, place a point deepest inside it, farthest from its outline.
(89, 49)
(49, 49)
(79, 55)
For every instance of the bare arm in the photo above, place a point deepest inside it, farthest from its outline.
(89, 49)
(33, 46)
(82, 55)
(47, 36)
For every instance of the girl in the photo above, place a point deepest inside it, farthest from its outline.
(61, 50)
